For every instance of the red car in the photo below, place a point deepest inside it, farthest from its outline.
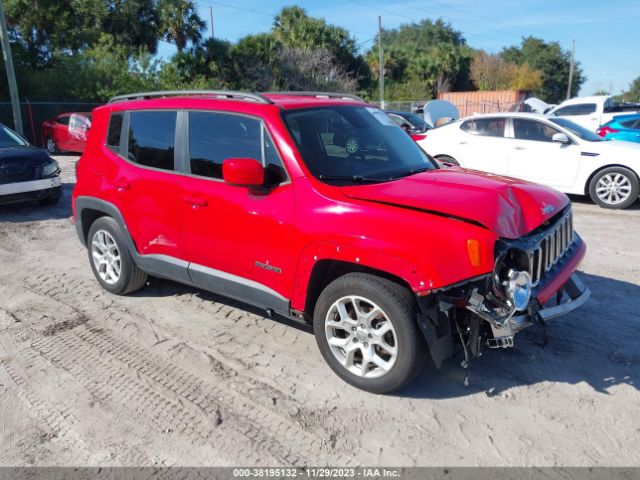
(66, 133)
(317, 207)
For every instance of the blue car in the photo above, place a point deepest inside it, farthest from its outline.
(622, 127)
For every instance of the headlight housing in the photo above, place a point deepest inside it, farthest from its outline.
(50, 168)
(518, 289)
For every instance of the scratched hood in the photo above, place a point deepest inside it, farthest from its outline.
(510, 208)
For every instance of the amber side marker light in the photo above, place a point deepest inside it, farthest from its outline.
(473, 250)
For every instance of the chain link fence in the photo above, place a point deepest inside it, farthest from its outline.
(35, 113)
(466, 108)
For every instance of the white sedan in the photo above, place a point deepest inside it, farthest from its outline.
(550, 151)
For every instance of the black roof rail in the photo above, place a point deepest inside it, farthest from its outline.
(343, 96)
(220, 94)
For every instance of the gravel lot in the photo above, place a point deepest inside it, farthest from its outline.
(175, 376)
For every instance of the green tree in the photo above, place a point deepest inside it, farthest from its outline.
(552, 61)
(180, 22)
(294, 29)
(491, 72)
(633, 94)
(422, 59)
(255, 60)
(74, 25)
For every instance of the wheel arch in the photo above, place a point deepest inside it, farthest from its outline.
(89, 209)
(327, 270)
(599, 169)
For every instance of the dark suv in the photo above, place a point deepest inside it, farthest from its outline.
(318, 207)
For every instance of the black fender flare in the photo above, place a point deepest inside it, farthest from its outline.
(156, 265)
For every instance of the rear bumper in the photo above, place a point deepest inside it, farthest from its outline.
(32, 186)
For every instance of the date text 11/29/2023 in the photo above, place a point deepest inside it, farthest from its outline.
(316, 472)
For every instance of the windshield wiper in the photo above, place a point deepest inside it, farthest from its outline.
(351, 178)
(413, 171)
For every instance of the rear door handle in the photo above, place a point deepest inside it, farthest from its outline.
(196, 202)
(463, 142)
(519, 148)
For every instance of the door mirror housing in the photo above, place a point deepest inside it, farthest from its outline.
(560, 138)
(243, 172)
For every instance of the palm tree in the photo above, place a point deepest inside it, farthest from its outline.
(180, 23)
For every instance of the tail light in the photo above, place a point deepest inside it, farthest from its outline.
(418, 136)
(603, 131)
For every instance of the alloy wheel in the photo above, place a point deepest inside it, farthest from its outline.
(361, 337)
(106, 257)
(613, 188)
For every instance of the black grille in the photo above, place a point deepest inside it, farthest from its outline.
(551, 248)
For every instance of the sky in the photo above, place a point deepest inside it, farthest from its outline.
(607, 33)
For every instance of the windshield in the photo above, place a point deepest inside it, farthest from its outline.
(9, 138)
(354, 142)
(578, 130)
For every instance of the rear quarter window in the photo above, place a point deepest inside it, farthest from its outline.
(114, 132)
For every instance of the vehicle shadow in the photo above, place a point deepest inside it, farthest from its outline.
(32, 212)
(158, 287)
(596, 344)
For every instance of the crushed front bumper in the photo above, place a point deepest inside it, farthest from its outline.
(570, 296)
(31, 186)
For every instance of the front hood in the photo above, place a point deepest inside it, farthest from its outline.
(21, 163)
(508, 207)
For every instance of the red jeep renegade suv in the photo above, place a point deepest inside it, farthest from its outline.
(319, 208)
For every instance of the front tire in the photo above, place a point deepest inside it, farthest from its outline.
(614, 187)
(110, 259)
(366, 329)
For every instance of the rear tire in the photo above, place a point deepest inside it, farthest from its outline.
(366, 329)
(447, 159)
(110, 259)
(51, 146)
(614, 188)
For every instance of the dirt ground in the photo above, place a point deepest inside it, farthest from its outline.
(175, 376)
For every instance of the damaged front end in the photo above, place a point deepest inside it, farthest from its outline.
(533, 281)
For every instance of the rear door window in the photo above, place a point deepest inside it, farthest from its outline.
(152, 139)
(486, 127)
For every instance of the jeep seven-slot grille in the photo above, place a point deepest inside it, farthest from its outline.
(551, 249)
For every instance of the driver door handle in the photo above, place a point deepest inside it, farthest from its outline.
(463, 142)
(518, 147)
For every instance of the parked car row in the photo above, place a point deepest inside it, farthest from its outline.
(552, 151)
